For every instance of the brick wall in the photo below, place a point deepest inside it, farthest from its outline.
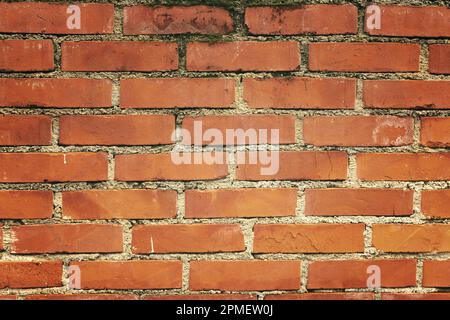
(93, 205)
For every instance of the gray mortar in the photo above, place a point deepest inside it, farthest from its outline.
(236, 8)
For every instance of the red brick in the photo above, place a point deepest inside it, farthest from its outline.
(119, 204)
(243, 56)
(8, 297)
(176, 20)
(436, 203)
(26, 204)
(33, 130)
(53, 167)
(294, 165)
(314, 19)
(411, 237)
(406, 94)
(342, 274)
(26, 55)
(249, 202)
(434, 132)
(150, 167)
(1, 237)
(300, 93)
(308, 238)
(409, 21)
(83, 296)
(36, 274)
(51, 18)
(245, 129)
(364, 57)
(416, 296)
(131, 274)
(244, 275)
(189, 238)
(358, 202)
(439, 55)
(55, 93)
(191, 297)
(119, 56)
(177, 93)
(322, 296)
(403, 166)
(129, 130)
(66, 238)
(354, 131)
(436, 273)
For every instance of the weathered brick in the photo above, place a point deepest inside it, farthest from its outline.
(314, 19)
(243, 56)
(175, 20)
(119, 56)
(308, 238)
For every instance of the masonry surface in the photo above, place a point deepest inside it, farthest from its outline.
(88, 186)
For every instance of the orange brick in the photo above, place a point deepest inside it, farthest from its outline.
(308, 238)
(314, 19)
(354, 131)
(25, 130)
(435, 273)
(415, 296)
(322, 296)
(364, 57)
(26, 55)
(403, 166)
(131, 274)
(341, 274)
(25, 204)
(439, 55)
(53, 167)
(359, 202)
(243, 129)
(116, 130)
(55, 93)
(119, 204)
(51, 18)
(293, 165)
(406, 94)
(143, 167)
(300, 93)
(250, 202)
(66, 238)
(243, 56)
(434, 132)
(411, 237)
(244, 275)
(189, 238)
(413, 21)
(119, 56)
(177, 93)
(176, 20)
(36, 274)
(436, 203)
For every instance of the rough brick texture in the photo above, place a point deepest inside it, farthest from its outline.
(224, 150)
